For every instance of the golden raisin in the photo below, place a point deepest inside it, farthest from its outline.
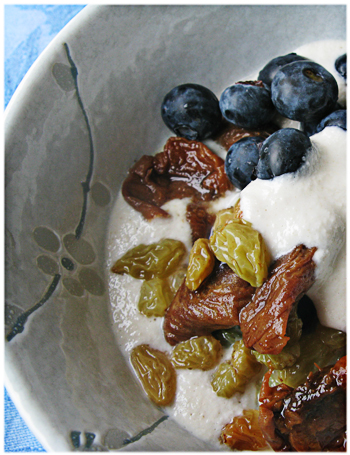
(155, 297)
(201, 264)
(233, 376)
(149, 261)
(201, 353)
(156, 373)
(243, 249)
(227, 215)
(244, 432)
(176, 279)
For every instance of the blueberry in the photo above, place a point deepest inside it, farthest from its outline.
(310, 128)
(340, 65)
(268, 72)
(191, 111)
(336, 118)
(282, 152)
(247, 104)
(241, 160)
(304, 91)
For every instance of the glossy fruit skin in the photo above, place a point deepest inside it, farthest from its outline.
(269, 71)
(191, 111)
(197, 353)
(282, 152)
(243, 249)
(244, 432)
(311, 128)
(155, 297)
(340, 65)
(146, 262)
(336, 118)
(156, 373)
(200, 264)
(233, 376)
(319, 347)
(304, 91)
(241, 160)
(247, 105)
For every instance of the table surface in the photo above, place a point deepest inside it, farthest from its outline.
(28, 30)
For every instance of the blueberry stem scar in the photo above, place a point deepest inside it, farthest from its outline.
(18, 327)
(145, 431)
(86, 184)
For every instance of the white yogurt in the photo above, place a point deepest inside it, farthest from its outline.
(307, 207)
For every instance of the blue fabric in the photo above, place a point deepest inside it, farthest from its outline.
(28, 30)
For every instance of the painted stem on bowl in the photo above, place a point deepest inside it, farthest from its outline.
(86, 183)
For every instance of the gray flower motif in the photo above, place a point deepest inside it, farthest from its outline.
(71, 259)
(73, 265)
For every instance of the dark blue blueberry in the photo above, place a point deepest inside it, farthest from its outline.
(310, 128)
(336, 118)
(268, 72)
(304, 91)
(191, 111)
(241, 160)
(340, 65)
(247, 104)
(282, 152)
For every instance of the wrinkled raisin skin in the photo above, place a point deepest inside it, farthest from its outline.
(146, 262)
(233, 376)
(311, 417)
(242, 248)
(184, 169)
(201, 264)
(200, 353)
(214, 305)
(244, 432)
(200, 220)
(156, 374)
(290, 277)
(155, 297)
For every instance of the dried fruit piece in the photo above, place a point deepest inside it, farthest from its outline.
(155, 297)
(284, 359)
(225, 380)
(200, 265)
(176, 279)
(264, 320)
(149, 261)
(200, 220)
(227, 215)
(201, 353)
(319, 348)
(244, 432)
(156, 373)
(311, 417)
(233, 133)
(233, 376)
(243, 249)
(184, 169)
(291, 352)
(215, 305)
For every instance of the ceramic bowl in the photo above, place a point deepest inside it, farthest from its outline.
(87, 109)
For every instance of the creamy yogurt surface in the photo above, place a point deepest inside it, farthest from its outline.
(306, 207)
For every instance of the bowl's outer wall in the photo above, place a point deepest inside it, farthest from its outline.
(65, 372)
